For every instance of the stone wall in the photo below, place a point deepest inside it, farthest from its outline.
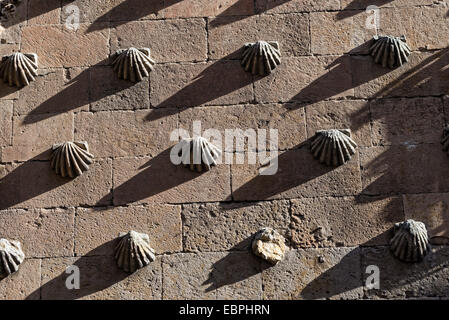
(336, 221)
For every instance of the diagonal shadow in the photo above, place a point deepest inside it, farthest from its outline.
(236, 266)
(158, 175)
(16, 186)
(68, 98)
(288, 176)
(130, 10)
(96, 274)
(217, 80)
(357, 6)
(232, 15)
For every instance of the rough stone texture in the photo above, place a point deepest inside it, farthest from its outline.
(269, 245)
(36, 226)
(228, 35)
(400, 280)
(149, 180)
(302, 276)
(121, 134)
(221, 227)
(354, 115)
(433, 210)
(6, 108)
(344, 221)
(425, 120)
(100, 279)
(167, 39)
(210, 276)
(201, 225)
(96, 227)
(51, 190)
(34, 135)
(334, 34)
(413, 22)
(310, 179)
(23, 284)
(54, 91)
(288, 119)
(109, 93)
(401, 169)
(51, 43)
(189, 85)
(322, 78)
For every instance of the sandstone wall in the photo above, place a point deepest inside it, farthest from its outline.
(337, 221)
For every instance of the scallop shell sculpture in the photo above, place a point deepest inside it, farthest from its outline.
(71, 159)
(261, 58)
(133, 64)
(410, 242)
(133, 251)
(19, 69)
(390, 51)
(269, 245)
(11, 256)
(333, 147)
(198, 154)
(445, 140)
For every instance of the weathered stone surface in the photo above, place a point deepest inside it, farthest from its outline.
(206, 8)
(404, 280)
(281, 6)
(147, 180)
(98, 12)
(414, 23)
(99, 228)
(351, 5)
(344, 221)
(288, 119)
(54, 91)
(302, 276)
(351, 114)
(425, 121)
(100, 279)
(433, 210)
(404, 169)
(423, 75)
(44, 12)
(210, 276)
(125, 133)
(10, 30)
(6, 107)
(227, 35)
(220, 227)
(133, 251)
(51, 43)
(321, 78)
(50, 190)
(108, 93)
(189, 85)
(167, 39)
(269, 245)
(33, 140)
(333, 34)
(23, 284)
(310, 179)
(42, 232)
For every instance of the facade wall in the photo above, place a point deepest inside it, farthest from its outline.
(336, 221)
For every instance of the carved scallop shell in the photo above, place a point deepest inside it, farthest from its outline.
(70, 159)
(445, 140)
(198, 153)
(19, 69)
(269, 245)
(11, 256)
(133, 251)
(333, 147)
(261, 58)
(410, 242)
(133, 64)
(389, 51)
